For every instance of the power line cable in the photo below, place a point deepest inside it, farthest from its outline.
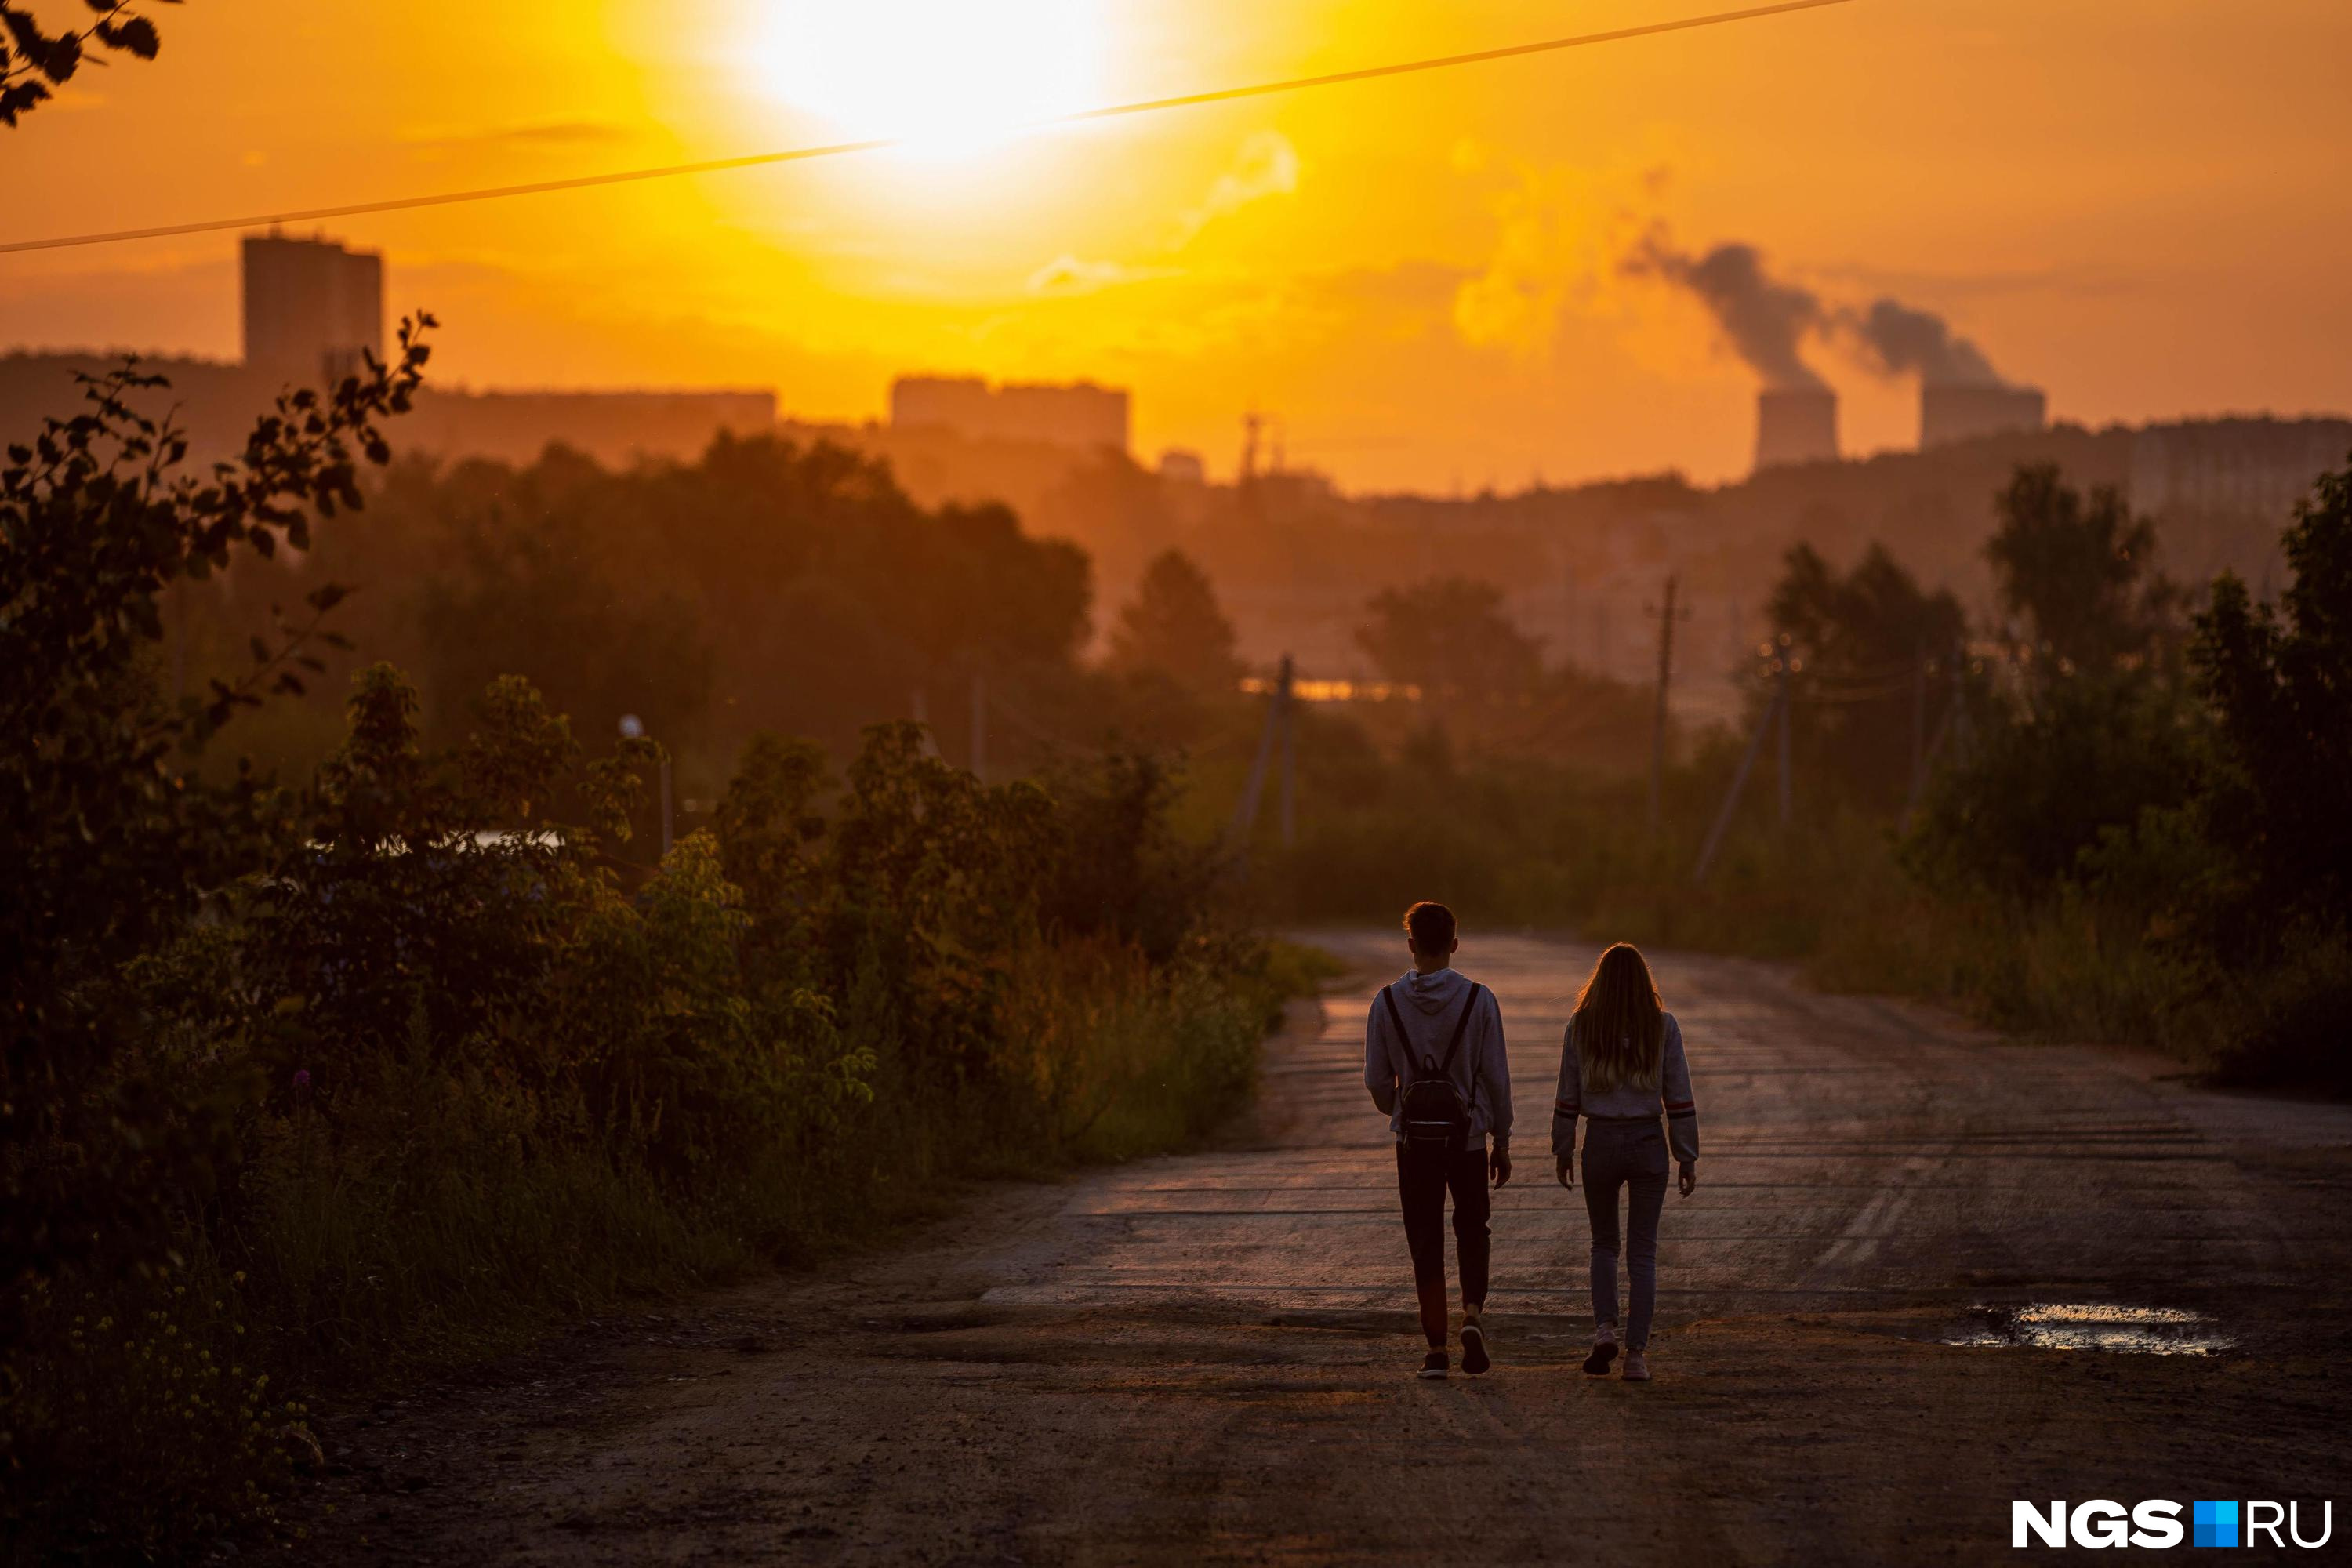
(872, 145)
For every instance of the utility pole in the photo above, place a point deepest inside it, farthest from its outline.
(664, 793)
(1959, 720)
(1780, 669)
(1658, 717)
(919, 706)
(980, 726)
(1920, 722)
(1290, 760)
(1739, 784)
(631, 729)
(1568, 616)
(1277, 714)
(1658, 721)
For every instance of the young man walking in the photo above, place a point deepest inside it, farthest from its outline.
(1433, 1061)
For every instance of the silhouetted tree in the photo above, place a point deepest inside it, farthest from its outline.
(1174, 624)
(1450, 638)
(33, 60)
(533, 602)
(2280, 682)
(2079, 574)
(1858, 645)
(766, 586)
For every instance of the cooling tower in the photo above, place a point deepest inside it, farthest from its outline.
(1949, 414)
(1796, 425)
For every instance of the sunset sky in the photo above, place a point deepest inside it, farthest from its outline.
(2137, 206)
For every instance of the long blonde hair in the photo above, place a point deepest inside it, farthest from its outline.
(1620, 1028)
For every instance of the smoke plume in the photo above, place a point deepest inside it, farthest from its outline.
(1763, 318)
(1896, 338)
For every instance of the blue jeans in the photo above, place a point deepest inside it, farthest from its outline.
(1632, 1155)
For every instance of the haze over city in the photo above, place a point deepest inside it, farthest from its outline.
(1427, 278)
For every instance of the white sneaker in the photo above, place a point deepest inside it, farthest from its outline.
(1637, 1366)
(1604, 1350)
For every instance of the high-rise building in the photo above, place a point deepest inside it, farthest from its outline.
(1796, 425)
(1080, 414)
(1950, 413)
(2250, 466)
(311, 307)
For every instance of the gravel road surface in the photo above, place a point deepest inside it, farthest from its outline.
(1208, 1358)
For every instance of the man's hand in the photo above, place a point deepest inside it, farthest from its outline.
(1566, 1161)
(1499, 1162)
(1689, 1178)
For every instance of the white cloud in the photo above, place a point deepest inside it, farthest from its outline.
(1068, 274)
(1265, 165)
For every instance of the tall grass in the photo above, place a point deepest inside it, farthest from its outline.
(462, 1089)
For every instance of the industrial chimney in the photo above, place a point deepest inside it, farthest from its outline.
(1950, 412)
(1796, 425)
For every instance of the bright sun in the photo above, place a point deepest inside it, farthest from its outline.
(946, 73)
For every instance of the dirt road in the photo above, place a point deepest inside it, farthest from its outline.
(1209, 1358)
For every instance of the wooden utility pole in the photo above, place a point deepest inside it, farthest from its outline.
(1290, 760)
(1276, 715)
(1781, 667)
(1738, 782)
(1919, 725)
(980, 726)
(1959, 720)
(1568, 616)
(1658, 721)
(919, 706)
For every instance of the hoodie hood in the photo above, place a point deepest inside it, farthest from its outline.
(1434, 993)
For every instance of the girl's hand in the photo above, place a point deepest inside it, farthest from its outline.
(1689, 1178)
(1565, 1162)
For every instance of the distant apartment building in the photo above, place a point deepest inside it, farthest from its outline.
(1796, 425)
(1080, 414)
(2258, 466)
(1950, 413)
(312, 308)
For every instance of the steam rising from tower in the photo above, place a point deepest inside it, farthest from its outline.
(1901, 341)
(1960, 395)
(1762, 318)
(1765, 320)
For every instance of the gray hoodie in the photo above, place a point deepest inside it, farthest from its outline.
(1672, 1098)
(1430, 1003)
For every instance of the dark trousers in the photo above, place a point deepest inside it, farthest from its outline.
(1632, 1155)
(1423, 1176)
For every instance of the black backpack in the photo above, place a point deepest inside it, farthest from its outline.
(1435, 1114)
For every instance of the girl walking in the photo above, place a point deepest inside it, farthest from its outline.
(1622, 1068)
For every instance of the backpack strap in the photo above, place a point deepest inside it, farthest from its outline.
(1396, 1022)
(1460, 1028)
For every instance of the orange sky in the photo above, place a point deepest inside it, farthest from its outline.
(2136, 205)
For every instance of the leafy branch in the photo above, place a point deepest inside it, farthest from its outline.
(32, 61)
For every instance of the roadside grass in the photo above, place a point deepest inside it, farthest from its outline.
(450, 1216)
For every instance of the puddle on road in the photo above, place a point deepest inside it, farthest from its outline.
(2094, 1326)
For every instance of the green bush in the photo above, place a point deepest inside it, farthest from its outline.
(479, 1075)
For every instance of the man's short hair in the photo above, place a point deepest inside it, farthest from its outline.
(1430, 926)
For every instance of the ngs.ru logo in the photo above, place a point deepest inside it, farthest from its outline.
(2155, 1524)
